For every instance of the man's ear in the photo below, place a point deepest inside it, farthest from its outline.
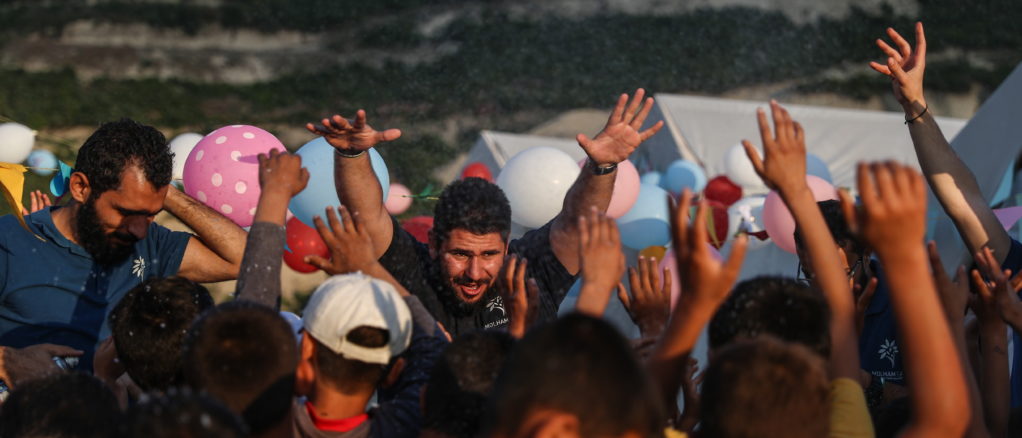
(434, 246)
(79, 187)
(395, 372)
(305, 373)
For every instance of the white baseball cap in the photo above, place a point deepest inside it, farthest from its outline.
(345, 302)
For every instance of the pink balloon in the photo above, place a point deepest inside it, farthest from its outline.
(626, 189)
(222, 171)
(398, 201)
(777, 218)
(671, 261)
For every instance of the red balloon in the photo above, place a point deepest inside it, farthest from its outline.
(723, 190)
(419, 227)
(477, 170)
(720, 222)
(303, 240)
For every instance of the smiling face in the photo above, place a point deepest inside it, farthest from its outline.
(470, 262)
(108, 225)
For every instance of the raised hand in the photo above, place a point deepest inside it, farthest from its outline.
(705, 281)
(521, 297)
(996, 292)
(282, 171)
(351, 247)
(39, 201)
(783, 167)
(621, 135)
(351, 138)
(602, 262)
(905, 67)
(893, 212)
(650, 303)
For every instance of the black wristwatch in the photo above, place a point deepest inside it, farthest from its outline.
(604, 169)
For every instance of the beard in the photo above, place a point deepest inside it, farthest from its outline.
(449, 298)
(102, 246)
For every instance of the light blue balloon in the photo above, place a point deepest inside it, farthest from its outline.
(652, 177)
(318, 157)
(648, 222)
(42, 161)
(683, 174)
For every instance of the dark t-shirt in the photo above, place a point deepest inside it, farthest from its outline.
(879, 352)
(409, 262)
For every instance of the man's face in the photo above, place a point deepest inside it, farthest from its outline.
(108, 225)
(471, 262)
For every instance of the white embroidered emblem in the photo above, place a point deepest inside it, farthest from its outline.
(138, 267)
(496, 304)
(888, 350)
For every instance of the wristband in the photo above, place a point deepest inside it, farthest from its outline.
(342, 154)
(925, 108)
(604, 169)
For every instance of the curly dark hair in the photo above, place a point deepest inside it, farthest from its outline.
(149, 326)
(783, 307)
(838, 226)
(117, 145)
(473, 204)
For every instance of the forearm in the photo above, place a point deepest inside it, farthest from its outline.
(377, 270)
(592, 299)
(956, 188)
(218, 233)
(830, 278)
(588, 191)
(937, 394)
(977, 425)
(667, 363)
(996, 394)
(259, 277)
(359, 190)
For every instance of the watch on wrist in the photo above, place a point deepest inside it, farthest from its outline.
(603, 169)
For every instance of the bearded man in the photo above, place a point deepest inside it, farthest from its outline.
(455, 275)
(59, 281)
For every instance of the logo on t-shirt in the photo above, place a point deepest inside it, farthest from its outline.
(888, 350)
(138, 267)
(496, 304)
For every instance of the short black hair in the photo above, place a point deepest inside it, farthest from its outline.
(181, 413)
(63, 405)
(472, 204)
(461, 381)
(350, 375)
(838, 226)
(245, 355)
(765, 387)
(778, 306)
(581, 366)
(149, 326)
(117, 145)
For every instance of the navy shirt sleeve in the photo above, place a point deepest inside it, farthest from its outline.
(169, 247)
(1014, 262)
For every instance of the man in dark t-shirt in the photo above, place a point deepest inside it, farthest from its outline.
(455, 274)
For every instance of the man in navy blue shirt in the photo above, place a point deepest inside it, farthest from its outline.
(59, 280)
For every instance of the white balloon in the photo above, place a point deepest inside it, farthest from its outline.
(181, 146)
(16, 142)
(817, 167)
(739, 169)
(535, 182)
(747, 215)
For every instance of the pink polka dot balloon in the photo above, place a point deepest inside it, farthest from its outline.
(222, 170)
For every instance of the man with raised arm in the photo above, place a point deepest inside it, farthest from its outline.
(454, 275)
(59, 280)
(951, 181)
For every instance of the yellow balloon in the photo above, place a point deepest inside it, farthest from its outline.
(654, 251)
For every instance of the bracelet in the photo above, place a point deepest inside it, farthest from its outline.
(341, 154)
(925, 108)
(603, 170)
